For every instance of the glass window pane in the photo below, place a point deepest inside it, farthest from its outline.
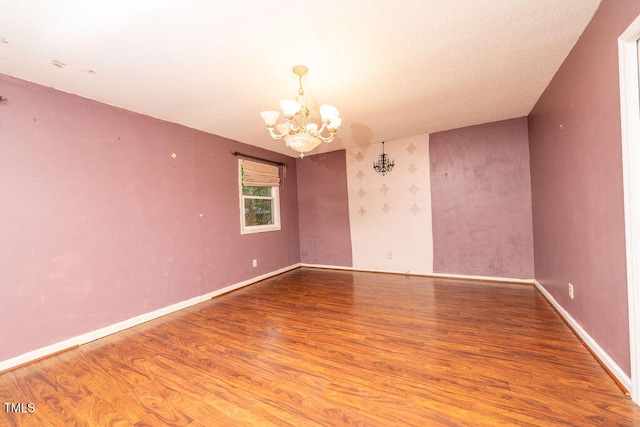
(256, 191)
(258, 211)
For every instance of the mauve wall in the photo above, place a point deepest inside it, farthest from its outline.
(576, 171)
(481, 200)
(324, 209)
(99, 223)
(226, 255)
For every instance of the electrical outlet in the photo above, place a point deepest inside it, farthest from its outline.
(390, 255)
(570, 291)
(255, 262)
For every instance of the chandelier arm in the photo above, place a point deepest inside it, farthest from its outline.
(328, 138)
(275, 135)
(322, 128)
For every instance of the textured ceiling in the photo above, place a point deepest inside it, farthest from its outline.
(393, 69)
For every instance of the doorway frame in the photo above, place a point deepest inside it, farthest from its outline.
(630, 122)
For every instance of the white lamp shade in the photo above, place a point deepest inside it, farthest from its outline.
(328, 113)
(289, 107)
(270, 118)
(334, 124)
(312, 128)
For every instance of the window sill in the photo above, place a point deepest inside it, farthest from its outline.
(260, 229)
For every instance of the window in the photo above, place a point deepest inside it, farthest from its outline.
(259, 197)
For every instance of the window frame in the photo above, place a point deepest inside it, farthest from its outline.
(275, 198)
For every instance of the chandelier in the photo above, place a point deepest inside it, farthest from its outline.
(298, 133)
(384, 165)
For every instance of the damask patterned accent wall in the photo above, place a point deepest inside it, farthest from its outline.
(390, 216)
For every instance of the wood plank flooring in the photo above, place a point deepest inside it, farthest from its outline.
(316, 347)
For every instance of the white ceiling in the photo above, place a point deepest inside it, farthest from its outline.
(393, 68)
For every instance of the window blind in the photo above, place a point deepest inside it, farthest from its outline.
(259, 174)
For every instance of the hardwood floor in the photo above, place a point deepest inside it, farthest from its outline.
(318, 347)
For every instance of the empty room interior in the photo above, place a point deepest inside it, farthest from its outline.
(433, 228)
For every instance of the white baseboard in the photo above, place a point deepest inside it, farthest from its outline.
(434, 275)
(482, 278)
(126, 324)
(612, 366)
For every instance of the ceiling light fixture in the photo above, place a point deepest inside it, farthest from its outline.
(384, 165)
(298, 133)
